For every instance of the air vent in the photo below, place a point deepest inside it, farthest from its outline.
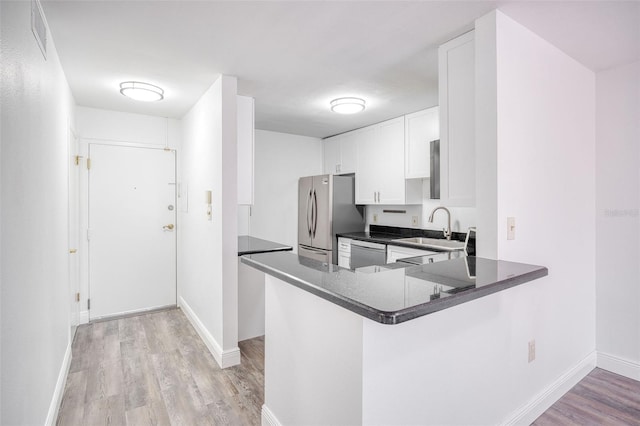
(39, 27)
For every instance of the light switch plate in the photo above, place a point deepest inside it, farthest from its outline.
(511, 228)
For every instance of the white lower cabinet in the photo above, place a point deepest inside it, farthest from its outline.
(344, 252)
(394, 253)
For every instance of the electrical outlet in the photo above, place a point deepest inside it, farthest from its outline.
(532, 350)
(375, 218)
(414, 220)
(511, 228)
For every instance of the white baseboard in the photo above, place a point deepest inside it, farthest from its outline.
(224, 359)
(619, 365)
(268, 418)
(58, 392)
(84, 317)
(528, 413)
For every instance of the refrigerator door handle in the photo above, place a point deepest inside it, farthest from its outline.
(308, 221)
(313, 250)
(315, 218)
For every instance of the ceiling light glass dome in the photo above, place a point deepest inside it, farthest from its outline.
(347, 105)
(140, 91)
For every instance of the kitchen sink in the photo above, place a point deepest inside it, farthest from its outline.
(433, 243)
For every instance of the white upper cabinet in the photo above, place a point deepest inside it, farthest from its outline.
(380, 165)
(456, 82)
(331, 155)
(348, 153)
(340, 154)
(368, 158)
(390, 176)
(245, 137)
(421, 128)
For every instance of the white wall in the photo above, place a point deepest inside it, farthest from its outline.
(37, 111)
(544, 141)
(106, 126)
(280, 160)
(311, 342)
(208, 250)
(617, 219)
(102, 126)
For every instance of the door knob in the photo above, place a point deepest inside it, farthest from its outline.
(169, 226)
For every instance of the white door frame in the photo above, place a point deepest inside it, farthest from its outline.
(83, 249)
(73, 231)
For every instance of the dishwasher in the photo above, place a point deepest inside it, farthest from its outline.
(365, 253)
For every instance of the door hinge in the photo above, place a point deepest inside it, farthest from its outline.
(88, 163)
(88, 234)
(88, 304)
(77, 297)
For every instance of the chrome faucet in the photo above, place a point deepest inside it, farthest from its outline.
(447, 231)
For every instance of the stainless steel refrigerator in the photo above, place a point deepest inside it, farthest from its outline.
(326, 207)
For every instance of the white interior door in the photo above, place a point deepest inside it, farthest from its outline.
(132, 235)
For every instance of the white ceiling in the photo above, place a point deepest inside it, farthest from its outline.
(295, 56)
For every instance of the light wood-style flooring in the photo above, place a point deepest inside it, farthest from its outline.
(154, 369)
(601, 398)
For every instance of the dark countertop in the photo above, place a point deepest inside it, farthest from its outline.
(386, 235)
(398, 292)
(252, 245)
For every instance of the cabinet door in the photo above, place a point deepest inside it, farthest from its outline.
(348, 152)
(344, 260)
(456, 61)
(331, 155)
(245, 122)
(395, 253)
(390, 173)
(368, 166)
(421, 128)
(344, 245)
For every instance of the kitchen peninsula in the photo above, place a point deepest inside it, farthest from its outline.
(383, 344)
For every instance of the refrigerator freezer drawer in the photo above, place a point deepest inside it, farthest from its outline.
(313, 253)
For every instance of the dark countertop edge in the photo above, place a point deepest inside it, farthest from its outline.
(390, 241)
(268, 246)
(466, 296)
(242, 253)
(349, 304)
(403, 315)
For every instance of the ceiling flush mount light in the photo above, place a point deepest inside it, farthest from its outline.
(347, 105)
(139, 91)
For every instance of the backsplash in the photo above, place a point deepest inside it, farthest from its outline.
(462, 218)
